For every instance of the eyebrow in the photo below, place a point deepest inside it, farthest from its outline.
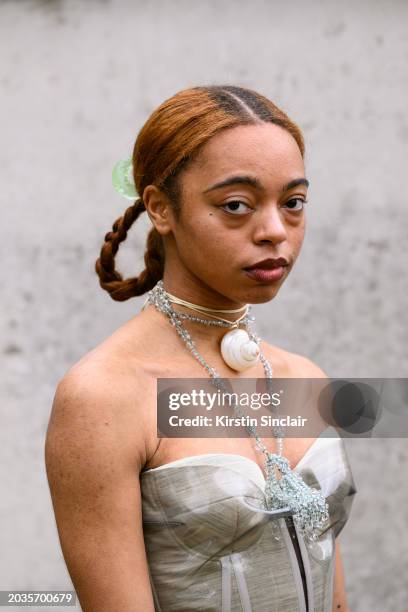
(254, 182)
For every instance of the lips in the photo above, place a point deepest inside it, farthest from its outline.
(268, 264)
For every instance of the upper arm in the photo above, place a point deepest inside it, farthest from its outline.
(93, 467)
(339, 586)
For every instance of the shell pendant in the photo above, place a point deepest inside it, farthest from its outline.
(238, 350)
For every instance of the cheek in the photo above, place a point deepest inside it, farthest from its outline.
(298, 238)
(296, 234)
(208, 239)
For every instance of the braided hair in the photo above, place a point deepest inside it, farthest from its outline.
(109, 278)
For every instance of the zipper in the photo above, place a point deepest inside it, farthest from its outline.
(296, 546)
(295, 554)
(307, 570)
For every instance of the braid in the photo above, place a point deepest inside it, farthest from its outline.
(109, 278)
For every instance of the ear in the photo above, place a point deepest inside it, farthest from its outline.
(158, 208)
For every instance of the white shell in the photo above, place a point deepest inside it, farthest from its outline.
(238, 350)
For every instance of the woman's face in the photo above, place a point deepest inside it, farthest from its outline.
(224, 229)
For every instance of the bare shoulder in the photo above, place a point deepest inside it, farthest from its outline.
(293, 365)
(99, 402)
(110, 394)
(303, 367)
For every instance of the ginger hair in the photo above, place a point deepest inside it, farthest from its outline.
(168, 142)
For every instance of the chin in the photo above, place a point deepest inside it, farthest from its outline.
(257, 294)
(262, 294)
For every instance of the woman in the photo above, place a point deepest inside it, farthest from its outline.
(149, 523)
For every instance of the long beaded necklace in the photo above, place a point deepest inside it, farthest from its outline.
(307, 505)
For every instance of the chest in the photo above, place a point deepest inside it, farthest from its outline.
(165, 450)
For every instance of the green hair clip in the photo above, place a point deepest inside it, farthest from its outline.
(122, 179)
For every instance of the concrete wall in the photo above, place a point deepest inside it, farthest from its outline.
(78, 81)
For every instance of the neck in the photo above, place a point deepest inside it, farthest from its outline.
(209, 335)
(198, 293)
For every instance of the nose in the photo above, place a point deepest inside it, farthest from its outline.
(269, 226)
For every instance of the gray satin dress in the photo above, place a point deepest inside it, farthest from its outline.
(211, 547)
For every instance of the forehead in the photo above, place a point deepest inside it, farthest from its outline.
(261, 148)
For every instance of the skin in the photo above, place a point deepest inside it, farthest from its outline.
(102, 429)
(339, 588)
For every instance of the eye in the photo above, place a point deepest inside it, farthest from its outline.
(301, 200)
(235, 204)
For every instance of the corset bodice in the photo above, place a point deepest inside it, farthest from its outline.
(212, 547)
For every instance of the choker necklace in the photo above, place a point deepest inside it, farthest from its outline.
(238, 350)
(288, 495)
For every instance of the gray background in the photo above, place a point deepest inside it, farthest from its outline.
(78, 81)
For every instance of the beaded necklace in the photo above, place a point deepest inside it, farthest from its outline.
(289, 493)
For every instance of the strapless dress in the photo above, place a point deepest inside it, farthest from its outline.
(211, 547)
